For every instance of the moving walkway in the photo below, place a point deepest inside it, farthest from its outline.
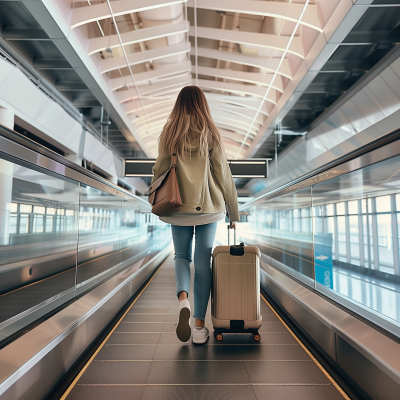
(90, 309)
(142, 358)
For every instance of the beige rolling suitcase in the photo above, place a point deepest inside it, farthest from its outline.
(235, 296)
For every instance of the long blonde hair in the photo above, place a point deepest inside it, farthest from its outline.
(190, 113)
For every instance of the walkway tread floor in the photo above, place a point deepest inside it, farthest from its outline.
(143, 359)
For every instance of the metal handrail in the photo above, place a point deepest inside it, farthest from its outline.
(27, 143)
(306, 179)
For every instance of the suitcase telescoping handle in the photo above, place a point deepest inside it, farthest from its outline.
(234, 235)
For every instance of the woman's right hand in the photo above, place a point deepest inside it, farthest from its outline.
(232, 225)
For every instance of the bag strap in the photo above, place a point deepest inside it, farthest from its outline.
(156, 184)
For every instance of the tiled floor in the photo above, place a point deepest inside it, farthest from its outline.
(143, 358)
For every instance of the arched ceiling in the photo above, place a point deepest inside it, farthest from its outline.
(242, 54)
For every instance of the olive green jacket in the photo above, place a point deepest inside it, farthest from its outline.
(205, 184)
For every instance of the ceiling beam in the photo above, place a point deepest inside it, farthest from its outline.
(132, 107)
(237, 88)
(131, 94)
(234, 123)
(235, 109)
(221, 111)
(250, 77)
(160, 109)
(141, 35)
(156, 117)
(250, 103)
(261, 40)
(98, 12)
(112, 64)
(246, 106)
(227, 119)
(215, 107)
(157, 73)
(270, 64)
(286, 11)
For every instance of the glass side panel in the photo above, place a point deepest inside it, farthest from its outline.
(254, 227)
(99, 235)
(291, 235)
(263, 220)
(38, 238)
(155, 234)
(130, 231)
(365, 237)
(55, 233)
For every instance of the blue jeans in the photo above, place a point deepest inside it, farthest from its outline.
(183, 238)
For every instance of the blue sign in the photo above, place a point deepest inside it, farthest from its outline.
(323, 259)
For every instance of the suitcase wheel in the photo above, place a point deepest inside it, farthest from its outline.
(257, 337)
(219, 336)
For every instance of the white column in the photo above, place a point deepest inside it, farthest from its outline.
(6, 180)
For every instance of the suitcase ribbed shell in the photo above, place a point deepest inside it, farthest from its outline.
(236, 287)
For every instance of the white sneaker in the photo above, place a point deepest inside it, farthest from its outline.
(200, 335)
(183, 330)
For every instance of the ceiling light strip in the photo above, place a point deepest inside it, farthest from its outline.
(128, 65)
(195, 41)
(274, 76)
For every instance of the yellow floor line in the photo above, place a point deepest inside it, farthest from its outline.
(75, 381)
(308, 352)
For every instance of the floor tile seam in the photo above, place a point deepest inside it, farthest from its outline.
(165, 317)
(203, 384)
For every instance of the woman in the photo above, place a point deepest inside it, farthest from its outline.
(206, 185)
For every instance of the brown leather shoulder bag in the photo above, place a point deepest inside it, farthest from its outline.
(164, 193)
